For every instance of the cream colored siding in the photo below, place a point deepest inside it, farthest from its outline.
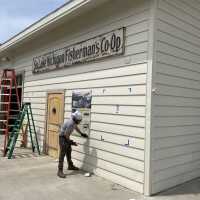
(116, 129)
(133, 15)
(149, 97)
(176, 104)
(116, 81)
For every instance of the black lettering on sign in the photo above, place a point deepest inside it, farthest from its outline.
(113, 41)
(97, 47)
(107, 45)
(118, 44)
(102, 46)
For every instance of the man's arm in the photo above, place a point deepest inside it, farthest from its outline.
(71, 142)
(79, 131)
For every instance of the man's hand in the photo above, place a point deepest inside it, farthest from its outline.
(84, 135)
(73, 143)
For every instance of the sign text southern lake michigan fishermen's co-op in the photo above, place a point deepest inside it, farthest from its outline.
(108, 44)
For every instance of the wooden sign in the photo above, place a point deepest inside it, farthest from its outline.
(102, 46)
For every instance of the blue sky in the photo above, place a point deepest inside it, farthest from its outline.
(15, 15)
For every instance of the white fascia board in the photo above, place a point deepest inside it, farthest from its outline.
(44, 22)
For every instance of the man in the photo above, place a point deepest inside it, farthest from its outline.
(65, 142)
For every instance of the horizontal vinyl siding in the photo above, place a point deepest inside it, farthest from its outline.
(116, 81)
(115, 128)
(135, 20)
(176, 122)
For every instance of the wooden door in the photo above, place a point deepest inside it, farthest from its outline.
(55, 114)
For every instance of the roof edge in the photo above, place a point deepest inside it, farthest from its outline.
(44, 22)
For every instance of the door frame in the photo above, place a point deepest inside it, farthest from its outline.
(45, 149)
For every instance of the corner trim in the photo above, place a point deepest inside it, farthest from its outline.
(149, 97)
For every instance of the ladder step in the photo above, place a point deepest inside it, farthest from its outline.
(8, 69)
(12, 132)
(15, 130)
(17, 87)
(13, 110)
(3, 111)
(4, 94)
(8, 86)
(3, 120)
(13, 116)
(6, 79)
(8, 102)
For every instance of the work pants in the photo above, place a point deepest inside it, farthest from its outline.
(65, 150)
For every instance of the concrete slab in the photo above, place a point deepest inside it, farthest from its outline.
(33, 177)
(187, 191)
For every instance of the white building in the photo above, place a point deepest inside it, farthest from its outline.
(145, 114)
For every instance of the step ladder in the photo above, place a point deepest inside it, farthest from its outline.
(9, 103)
(25, 114)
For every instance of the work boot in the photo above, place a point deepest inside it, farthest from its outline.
(61, 174)
(72, 167)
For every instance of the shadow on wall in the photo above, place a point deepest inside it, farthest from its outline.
(90, 158)
(40, 140)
